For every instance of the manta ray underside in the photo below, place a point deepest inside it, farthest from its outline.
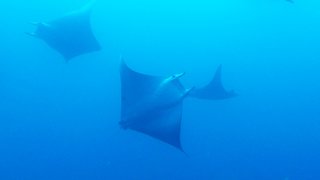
(71, 35)
(153, 104)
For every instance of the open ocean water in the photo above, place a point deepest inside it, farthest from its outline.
(60, 120)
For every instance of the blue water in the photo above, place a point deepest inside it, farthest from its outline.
(59, 120)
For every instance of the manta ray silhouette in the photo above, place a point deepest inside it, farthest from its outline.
(153, 104)
(71, 35)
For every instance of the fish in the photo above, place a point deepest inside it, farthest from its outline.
(214, 90)
(71, 35)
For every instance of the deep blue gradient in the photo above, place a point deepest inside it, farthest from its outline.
(59, 121)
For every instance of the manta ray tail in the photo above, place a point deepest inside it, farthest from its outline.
(214, 90)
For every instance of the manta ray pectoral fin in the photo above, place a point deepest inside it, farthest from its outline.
(164, 125)
(214, 90)
(135, 86)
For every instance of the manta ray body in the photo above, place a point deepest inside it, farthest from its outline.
(71, 35)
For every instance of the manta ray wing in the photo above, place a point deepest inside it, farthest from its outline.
(70, 35)
(135, 86)
(163, 125)
(214, 90)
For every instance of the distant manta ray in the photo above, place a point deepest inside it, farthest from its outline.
(71, 35)
(153, 104)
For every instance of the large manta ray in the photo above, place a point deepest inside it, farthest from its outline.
(153, 104)
(71, 35)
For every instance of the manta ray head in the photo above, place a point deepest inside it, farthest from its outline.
(176, 76)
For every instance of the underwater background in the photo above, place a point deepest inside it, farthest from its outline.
(59, 120)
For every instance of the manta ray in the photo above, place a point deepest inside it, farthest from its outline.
(153, 104)
(71, 35)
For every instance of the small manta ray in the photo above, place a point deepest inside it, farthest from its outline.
(71, 35)
(153, 104)
(214, 90)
